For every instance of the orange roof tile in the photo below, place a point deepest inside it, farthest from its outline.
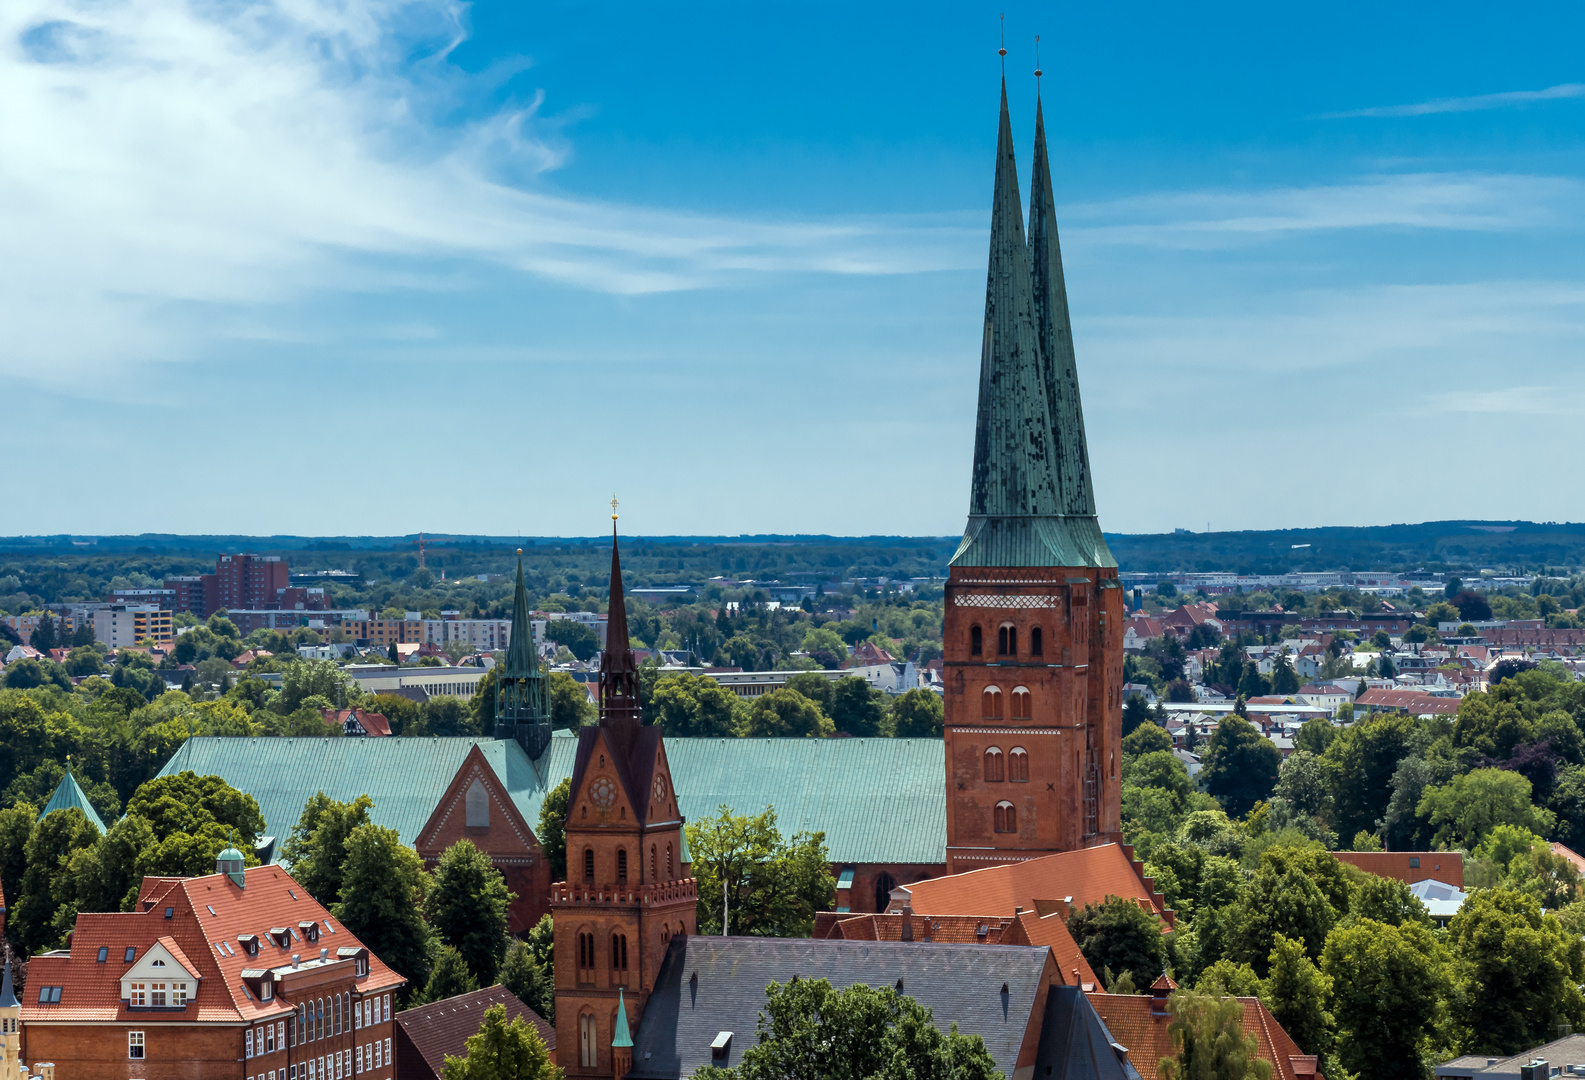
(207, 915)
(1135, 1024)
(1085, 876)
(1409, 866)
(1052, 931)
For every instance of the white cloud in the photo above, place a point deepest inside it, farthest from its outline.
(1467, 104)
(162, 155)
(1210, 218)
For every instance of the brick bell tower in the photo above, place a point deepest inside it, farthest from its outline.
(1034, 613)
(629, 889)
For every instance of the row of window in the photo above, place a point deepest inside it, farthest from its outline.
(1012, 767)
(621, 864)
(157, 995)
(1007, 641)
(337, 1066)
(1023, 703)
(317, 1019)
(586, 958)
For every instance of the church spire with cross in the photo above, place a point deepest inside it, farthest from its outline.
(522, 705)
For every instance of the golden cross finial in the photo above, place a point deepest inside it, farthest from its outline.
(613, 506)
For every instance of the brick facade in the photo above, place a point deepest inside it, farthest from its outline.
(1033, 702)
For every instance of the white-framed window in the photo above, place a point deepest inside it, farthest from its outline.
(135, 1045)
(280, 1034)
(140, 995)
(385, 1009)
(387, 1051)
(247, 1044)
(179, 994)
(359, 1059)
(379, 1061)
(157, 995)
(269, 1038)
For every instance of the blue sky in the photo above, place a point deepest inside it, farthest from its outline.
(374, 267)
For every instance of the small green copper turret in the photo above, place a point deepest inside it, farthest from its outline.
(522, 703)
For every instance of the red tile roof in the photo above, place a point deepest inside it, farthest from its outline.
(1135, 1024)
(91, 991)
(1444, 866)
(444, 1027)
(1052, 931)
(1574, 857)
(1071, 878)
(1410, 701)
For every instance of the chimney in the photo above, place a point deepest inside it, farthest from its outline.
(908, 921)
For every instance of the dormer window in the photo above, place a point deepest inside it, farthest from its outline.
(249, 943)
(310, 931)
(282, 936)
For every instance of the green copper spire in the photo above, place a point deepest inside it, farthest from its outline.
(69, 794)
(621, 1038)
(1031, 502)
(522, 709)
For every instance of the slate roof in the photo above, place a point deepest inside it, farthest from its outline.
(444, 1027)
(1075, 1043)
(91, 991)
(69, 794)
(878, 800)
(1558, 1054)
(960, 983)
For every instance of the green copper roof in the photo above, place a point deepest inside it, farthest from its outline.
(623, 1035)
(68, 794)
(877, 800)
(1031, 501)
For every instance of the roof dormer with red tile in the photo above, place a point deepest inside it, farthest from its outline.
(237, 974)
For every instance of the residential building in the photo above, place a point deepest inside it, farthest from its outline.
(187, 594)
(120, 625)
(357, 724)
(1560, 1057)
(1033, 635)
(429, 1034)
(238, 974)
(1406, 702)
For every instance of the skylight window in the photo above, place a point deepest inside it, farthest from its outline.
(132, 952)
(104, 953)
(211, 908)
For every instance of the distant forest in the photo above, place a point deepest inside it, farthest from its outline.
(61, 568)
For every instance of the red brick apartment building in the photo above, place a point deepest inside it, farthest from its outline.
(239, 974)
(244, 581)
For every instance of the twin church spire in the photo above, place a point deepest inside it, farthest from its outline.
(1032, 502)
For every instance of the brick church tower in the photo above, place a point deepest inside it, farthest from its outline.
(628, 890)
(1034, 613)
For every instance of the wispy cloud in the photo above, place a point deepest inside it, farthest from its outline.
(1455, 201)
(1467, 104)
(161, 154)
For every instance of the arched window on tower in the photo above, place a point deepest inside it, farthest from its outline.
(621, 864)
(1037, 642)
(669, 874)
(654, 864)
(1018, 765)
(991, 703)
(587, 1042)
(1005, 818)
(588, 864)
(993, 765)
(1007, 640)
(585, 957)
(1022, 703)
(975, 645)
(619, 958)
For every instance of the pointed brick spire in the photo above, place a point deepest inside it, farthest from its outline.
(522, 707)
(1029, 502)
(619, 704)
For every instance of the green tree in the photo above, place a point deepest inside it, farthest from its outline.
(1147, 739)
(84, 661)
(1315, 735)
(45, 882)
(105, 877)
(918, 714)
(449, 976)
(317, 848)
(467, 906)
(393, 656)
(43, 637)
(809, 1029)
(1365, 757)
(532, 984)
(1280, 900)
(768, 886)
(1463, 811)
(553, 827)
(1520, 971)
(1119, 935)
(382, 890)
(1136, 714)
(696, 706)
(16, 829)
(1297, 993)
(1284, 679)
(573, 636)
(1241, 765)
(857, 708)
(1386, 996)
(787, 714)
(503, 1051)
(301, 679)
(570, 706)
(1208, 1034)
(185, 802)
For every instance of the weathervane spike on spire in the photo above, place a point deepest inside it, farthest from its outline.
(1002, 50)
(613, 506)
(1038, 72)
